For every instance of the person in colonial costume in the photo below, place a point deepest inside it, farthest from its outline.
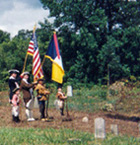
(15, 105)
(13, 82)
(42, 95)
(61, 99)
(27, 90)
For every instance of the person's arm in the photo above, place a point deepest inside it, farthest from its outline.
(25, 85)
(62, 96)
(42, 90)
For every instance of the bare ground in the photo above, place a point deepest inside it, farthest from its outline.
(128, 125)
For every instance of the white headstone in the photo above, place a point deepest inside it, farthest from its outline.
(69, 91)
(114, 129)
(100, 128)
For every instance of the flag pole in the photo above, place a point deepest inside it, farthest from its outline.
(27, 53)
(25, 62)
(43, 61)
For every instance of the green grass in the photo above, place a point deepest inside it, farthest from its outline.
(84, 99)
(13, 136)
(95, 98)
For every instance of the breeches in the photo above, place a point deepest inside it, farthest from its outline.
(15, 111)
(29, 106)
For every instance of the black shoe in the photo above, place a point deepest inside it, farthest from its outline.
(17, 119)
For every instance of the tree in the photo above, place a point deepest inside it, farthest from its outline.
(98, 34)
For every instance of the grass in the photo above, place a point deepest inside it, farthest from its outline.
(94, 99)
(85, 99)
(12, 136)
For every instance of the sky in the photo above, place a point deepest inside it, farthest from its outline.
(20, 14)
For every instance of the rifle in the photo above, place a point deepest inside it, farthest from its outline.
(68, 118)
(47, 106)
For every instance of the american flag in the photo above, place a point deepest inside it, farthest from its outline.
(31, 48)
(37, 68)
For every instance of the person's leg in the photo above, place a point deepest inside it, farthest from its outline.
(29, 107)
(15, 112)
(42, 109)
(62, 109)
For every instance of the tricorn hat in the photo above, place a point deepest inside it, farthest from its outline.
(13, 71)
(25, 73)
(16, 89)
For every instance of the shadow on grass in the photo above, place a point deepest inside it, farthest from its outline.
(123, 117)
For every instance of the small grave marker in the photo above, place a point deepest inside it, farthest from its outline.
(69, 91)
(100, 128)
(114, 129)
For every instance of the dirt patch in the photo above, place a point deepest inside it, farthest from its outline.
(127, 124)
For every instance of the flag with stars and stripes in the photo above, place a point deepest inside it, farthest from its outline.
(31, 48)
(37, 68)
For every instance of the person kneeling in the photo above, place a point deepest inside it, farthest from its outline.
(42, 93)
(15, 105)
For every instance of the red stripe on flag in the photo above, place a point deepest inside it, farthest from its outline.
(37, 68)
(56, 45)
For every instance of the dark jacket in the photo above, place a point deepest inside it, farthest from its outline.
(12, 85)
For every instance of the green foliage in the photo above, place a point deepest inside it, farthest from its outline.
(97, 34)
(10, 136)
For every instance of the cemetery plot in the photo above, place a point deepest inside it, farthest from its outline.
(114, 122)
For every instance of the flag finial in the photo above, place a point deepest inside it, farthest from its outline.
(34, 28)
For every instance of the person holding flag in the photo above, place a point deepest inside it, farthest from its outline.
(37, 71)
(28, 97)
(43, 96)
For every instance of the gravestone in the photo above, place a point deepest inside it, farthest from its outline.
(114, 129)
(69, 91)
(100, 128)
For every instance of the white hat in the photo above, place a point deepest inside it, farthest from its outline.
(26, 73)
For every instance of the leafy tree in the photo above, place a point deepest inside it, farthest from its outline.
(98, 34)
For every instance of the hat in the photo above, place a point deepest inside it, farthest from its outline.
(13, 71)
(16, 89)
(25, 73)
(41, 79)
